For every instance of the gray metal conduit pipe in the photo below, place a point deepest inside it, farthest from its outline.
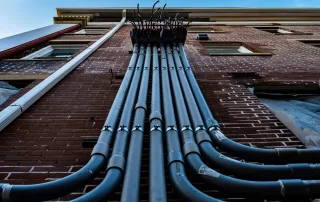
(175, 165)
(157, 182)
(99, 156)
(268, 189)
(238, 168)
(117, 162)
(131, 184)
(273, 156)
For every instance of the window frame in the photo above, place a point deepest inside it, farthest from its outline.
(310, 42)
(37, 55)
(213, 29)
(290, 32)
(85, 30)
(247, 49)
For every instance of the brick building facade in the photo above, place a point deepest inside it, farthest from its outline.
(45, 142)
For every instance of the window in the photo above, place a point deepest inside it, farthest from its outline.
(311, 42)
(200, 29)
(92, 31)
(280, 31)
(55, 51)
(204, 29)
(231, 48)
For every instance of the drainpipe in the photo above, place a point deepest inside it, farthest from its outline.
(242, 169)
(99, 156)
(293, 189)
(274, 156)
(117, 161)
(131, 184)
(175, 157)
(14, 110)
(157, 183)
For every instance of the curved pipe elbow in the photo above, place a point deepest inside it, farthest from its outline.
(259, 172)
(184, 187)
(57, 188)
(108, 185)
(274, 156)
(292, 189)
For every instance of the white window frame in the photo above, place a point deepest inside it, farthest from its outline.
(50, 48)
(282, 31)
(92, 31)
(241, 49)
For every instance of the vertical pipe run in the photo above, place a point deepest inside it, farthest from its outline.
(157, 184)
(175, 157)
(186, 131)
(117, 161)
(131, 184)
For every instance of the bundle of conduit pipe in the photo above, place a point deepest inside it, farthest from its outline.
(180, 121)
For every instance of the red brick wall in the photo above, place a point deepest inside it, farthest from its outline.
(241, 115)
(45, 142)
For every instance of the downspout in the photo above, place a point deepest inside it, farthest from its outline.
(268, 189)
(99, 156)
(131, 183)
(242, 169)
(275, 156)
(175, 157)
(157, 182)
(117, 162)
(14, 110)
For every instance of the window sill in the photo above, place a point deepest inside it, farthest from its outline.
(293, 34)
(211, 32)
(241, 54)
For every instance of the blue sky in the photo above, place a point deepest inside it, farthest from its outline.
(24, 15)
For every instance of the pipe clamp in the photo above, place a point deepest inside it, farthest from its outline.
(186, 127)
(107, 128)
(171, 128)
(156, 127)
(137, 128)
(199, 127)
(213, 127)
(123, 127)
